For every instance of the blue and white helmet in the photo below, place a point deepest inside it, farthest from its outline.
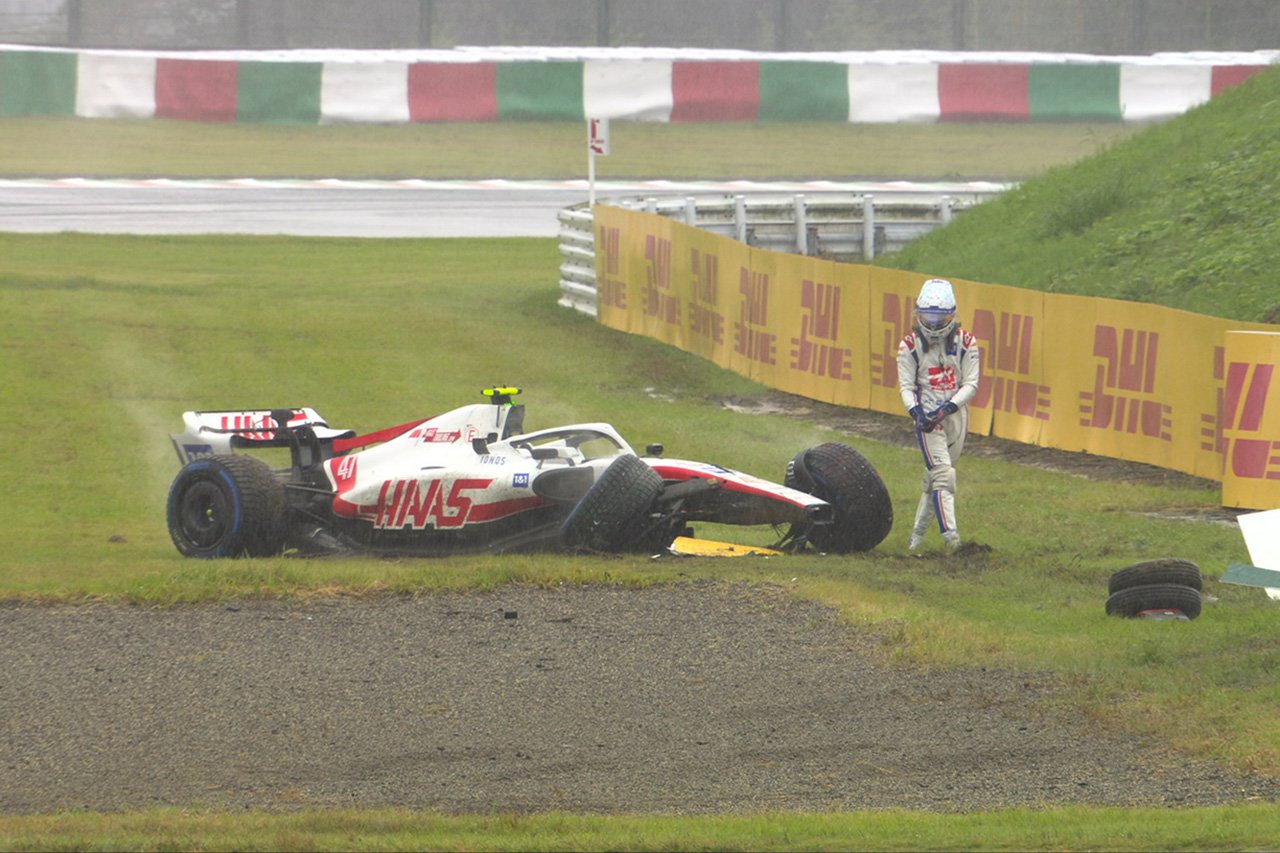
(936, 309)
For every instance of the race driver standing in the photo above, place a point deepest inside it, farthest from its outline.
(938, 372)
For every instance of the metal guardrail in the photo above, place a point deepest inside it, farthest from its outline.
(852, 227)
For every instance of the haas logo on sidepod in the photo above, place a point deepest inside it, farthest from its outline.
(418, 504)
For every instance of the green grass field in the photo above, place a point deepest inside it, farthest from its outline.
(108, 339)
(56, 147)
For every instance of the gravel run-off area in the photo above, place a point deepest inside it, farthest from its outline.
(693, 698)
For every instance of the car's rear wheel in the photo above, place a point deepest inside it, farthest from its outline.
(842, 477)
(614, 514)
(226, 506)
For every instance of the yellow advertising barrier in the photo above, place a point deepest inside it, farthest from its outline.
(815, 318)
(1136, 379)
(1119, 379)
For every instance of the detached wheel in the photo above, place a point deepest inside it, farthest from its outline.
(842, 477)
(1164, 571)
(613, 514)
(1162, 596)
(226, 506)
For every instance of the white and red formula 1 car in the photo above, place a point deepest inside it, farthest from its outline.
(471, 480)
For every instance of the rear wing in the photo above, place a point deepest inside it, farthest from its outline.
(209, 433)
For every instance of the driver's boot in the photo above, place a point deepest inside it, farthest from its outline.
(924, 517)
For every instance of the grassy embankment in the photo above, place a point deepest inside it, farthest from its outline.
(108, 339)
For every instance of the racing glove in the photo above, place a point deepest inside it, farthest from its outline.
(947, 408)
(924, 423)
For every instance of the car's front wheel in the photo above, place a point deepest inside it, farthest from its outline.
(842, 477)
(614, 514)
(226, 506)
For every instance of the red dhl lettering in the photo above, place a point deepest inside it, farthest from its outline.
(895, 312)
(1120, 413)
(658, 301)
(705, 322)
(657, 256)
(1129, 365)
(755, 344)
(821, 359)
(1004, 394)
(418, 504)
(1244, 403)
(1211, 422)
(612, 292)
(1131, 357)
(608, 248)
(1007, 345)
(1255, 458)
(663, 306)
(820, 304)
(753, 287)
(1248, 403)
(705, 276)
(1007, 341)
(814, 351)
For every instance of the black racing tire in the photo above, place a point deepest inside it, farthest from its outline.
(613, 514)
(1133, 600)
(1162, 571)
(226, 506)
(842, 477)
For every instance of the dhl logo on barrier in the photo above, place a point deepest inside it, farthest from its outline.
(896, 315)
(815, 350)
(611, 288)
(1211, 422)
(1241, 408)
(1249, 420)
(1123, 381)
(659, 301)
(1150, 384)
(1008, 384)
(706, 321)
(1248, 387)
(751, 336)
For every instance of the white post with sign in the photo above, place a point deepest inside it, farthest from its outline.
(597, 144)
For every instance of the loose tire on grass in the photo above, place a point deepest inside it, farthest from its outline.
(1133, 600)
(226, 506)
(845, 479)
(1162, 571)
(613, 514)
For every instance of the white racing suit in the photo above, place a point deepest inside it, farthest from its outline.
(932, 372)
